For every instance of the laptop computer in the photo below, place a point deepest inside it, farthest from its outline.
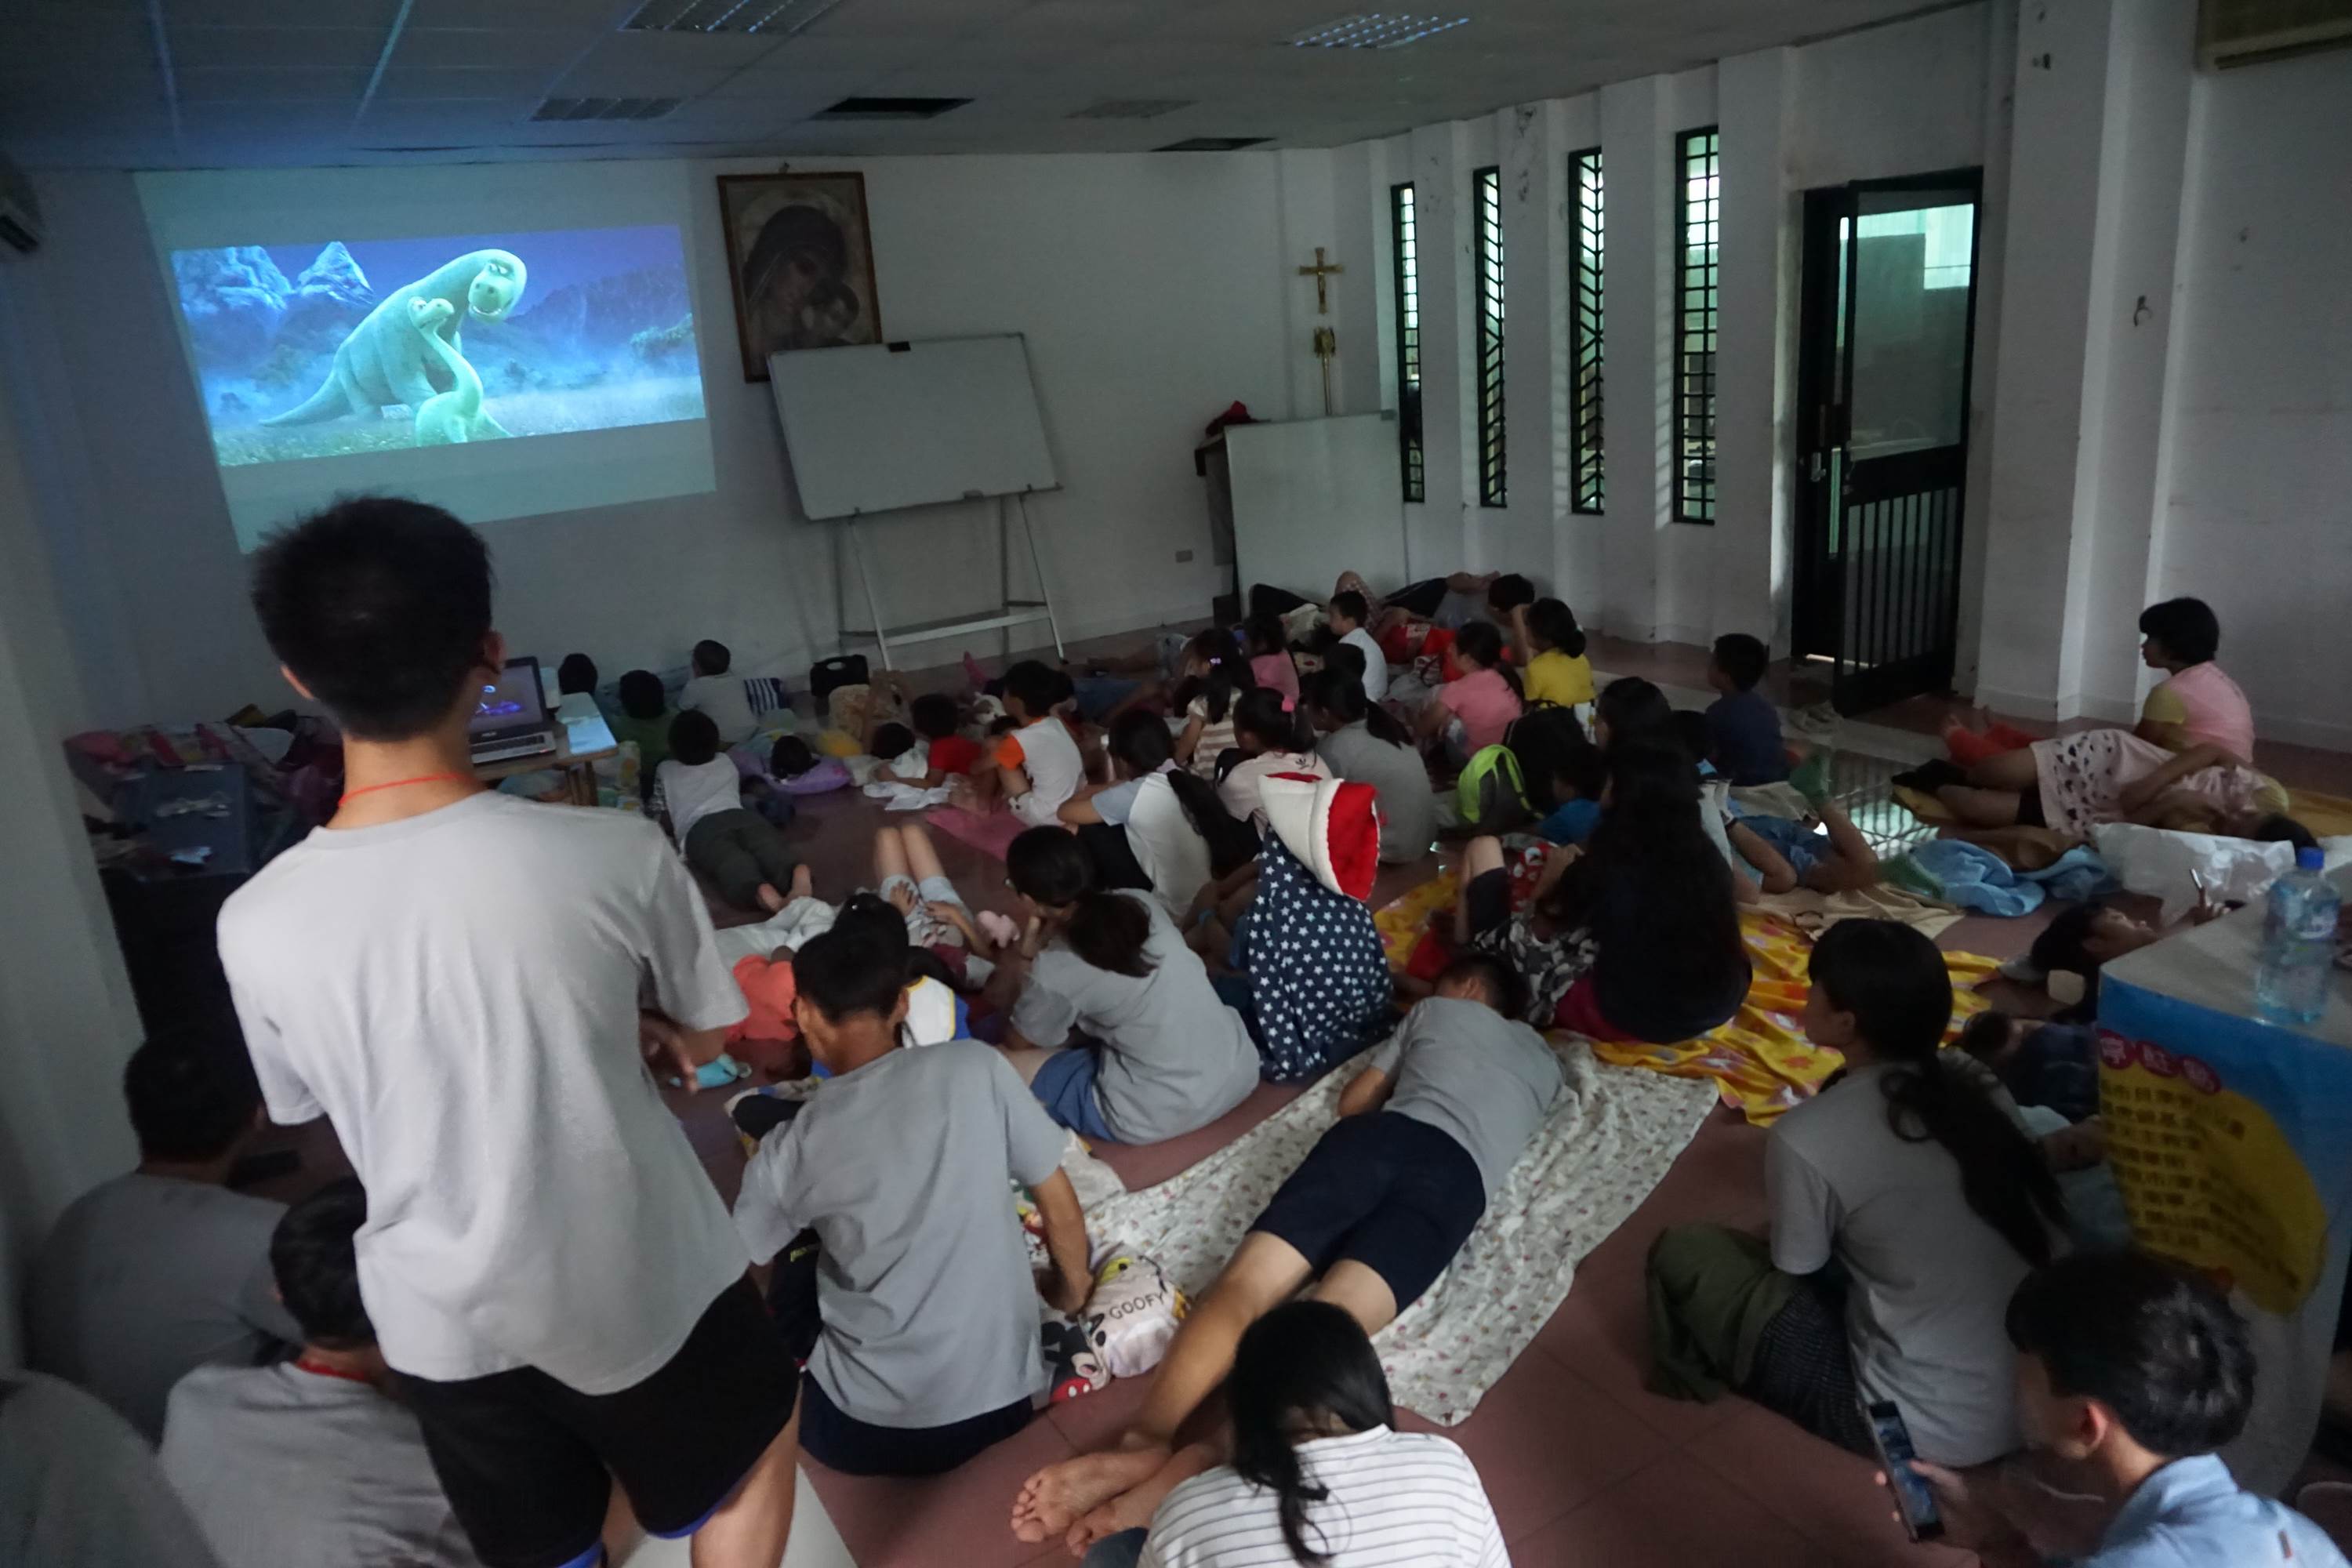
(511, 719)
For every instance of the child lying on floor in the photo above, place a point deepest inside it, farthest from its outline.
(930, 1351)
(740, 850)
(1428, 1130)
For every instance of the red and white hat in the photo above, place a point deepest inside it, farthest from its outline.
(1332, 826)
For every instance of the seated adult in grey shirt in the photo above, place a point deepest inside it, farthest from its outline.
(1363, 742)
(77, 1484)
(903, 1165)
(1155, 1052)
(162, 1271)
(311, 1461)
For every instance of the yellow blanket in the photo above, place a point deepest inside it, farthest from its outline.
(1761, 1063)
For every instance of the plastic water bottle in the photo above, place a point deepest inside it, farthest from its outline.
(2298, 945)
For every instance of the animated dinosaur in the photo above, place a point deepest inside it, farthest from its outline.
(453, 416)
(384, 361)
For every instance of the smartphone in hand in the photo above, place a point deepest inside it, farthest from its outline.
(1914, 1497)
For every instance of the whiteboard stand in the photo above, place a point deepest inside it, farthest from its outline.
(1012, 612)
(886, 428)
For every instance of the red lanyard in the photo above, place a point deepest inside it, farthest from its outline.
(304, 1364)
(403, 784)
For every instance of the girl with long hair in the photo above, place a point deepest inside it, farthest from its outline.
(1157, 827)
(1272, 738)
(1151, 1052)
(1319, 1473)
(1914, 1174)
(1215, 673)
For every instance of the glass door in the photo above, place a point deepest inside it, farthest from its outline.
(1888, 323)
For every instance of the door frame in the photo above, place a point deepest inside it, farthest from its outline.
(1823, 427)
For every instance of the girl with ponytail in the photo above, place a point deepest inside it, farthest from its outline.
(1319, 1475)
(1152, 1052)
(1215, 675)
(1364, 742)
(1914, 1176)
(1272, 738)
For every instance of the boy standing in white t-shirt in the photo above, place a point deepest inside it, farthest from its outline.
(453, 977)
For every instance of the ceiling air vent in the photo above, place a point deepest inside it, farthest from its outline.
(1131, 107)
(2248, 32)
(605, 108)
(1374, 30)
(890, 107)
(767, 18)
(1212, 144)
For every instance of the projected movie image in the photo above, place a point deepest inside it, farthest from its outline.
(349, 346)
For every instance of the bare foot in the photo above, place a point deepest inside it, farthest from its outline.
(1057, 1496)
(770, 899)
(804, 884)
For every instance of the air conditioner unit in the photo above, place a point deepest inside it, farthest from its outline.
(20, 219)
(2248, 32)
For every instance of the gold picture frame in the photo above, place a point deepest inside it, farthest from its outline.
(800, 262)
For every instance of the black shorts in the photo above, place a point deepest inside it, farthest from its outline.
(855, 1448)
(527, 1462)
(1390, 1192)
(1487, 900)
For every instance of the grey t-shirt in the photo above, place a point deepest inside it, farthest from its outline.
(905, 1168)
(288, 1469)
(145, 1278)
(1175, 1057)
(1399, 782)
(1483, 1080)
(1929, 1280)
(79, 1485)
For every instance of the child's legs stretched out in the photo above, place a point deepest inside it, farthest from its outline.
(2010, 771)
(724, 848)
(1982, 807)
(889, 855)
(1851, 862)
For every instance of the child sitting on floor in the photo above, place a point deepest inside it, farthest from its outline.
(1483, 703)
(1214, 675)
(1272, 738)
(1914, 1177)
(1038, 764)
(1346, 620)
(738, 850)
(1270, 661)
(952, 754)
(1364, 742)
(1156, 826)
(2195, 704)
(1428, 1132)
(644, 719)
(1152, 1052)
(1743, 727)
(1549, 645)
(930, 1351)
(714, 691)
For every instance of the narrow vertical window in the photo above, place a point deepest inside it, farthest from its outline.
(1584, 295)
(1404, 240)
(1487, 272)
(1697, 300)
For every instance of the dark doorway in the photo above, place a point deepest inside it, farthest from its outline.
(1889, 330)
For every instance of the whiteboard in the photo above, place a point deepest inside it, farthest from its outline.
(1313, 498)
(886, 425)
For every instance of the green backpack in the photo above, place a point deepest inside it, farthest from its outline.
(1491, 796)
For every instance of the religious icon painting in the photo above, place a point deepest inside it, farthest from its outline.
(800, 258)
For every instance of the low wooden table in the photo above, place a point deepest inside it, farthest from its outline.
(580, 745)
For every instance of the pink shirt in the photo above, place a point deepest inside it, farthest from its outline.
(2208, 706)
(1485, 704)
(1275, 669)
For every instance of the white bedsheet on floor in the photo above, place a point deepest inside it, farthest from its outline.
(1607, 1144)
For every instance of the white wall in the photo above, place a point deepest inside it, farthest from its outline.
(1152, 290)
(67, 1022)
(2257, 507)
(1911, 98)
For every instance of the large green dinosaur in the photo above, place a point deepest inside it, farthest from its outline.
(384, 361)
(454, 414)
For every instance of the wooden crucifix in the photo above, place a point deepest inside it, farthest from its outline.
(1321, 271)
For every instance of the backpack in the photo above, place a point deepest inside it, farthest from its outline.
(848, 669)
(1491, 796)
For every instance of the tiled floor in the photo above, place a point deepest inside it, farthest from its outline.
(1585, 1465)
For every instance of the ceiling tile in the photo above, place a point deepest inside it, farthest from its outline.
(935, 20)
(404, 81)
(377, 14)
(275, 49)
(548, 49)
(596, 16)
(234, 86)
(71, 37)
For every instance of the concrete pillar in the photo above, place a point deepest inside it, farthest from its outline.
(1637, 145)
(1755, 98)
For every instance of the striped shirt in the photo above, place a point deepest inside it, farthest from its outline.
(1396, 1498)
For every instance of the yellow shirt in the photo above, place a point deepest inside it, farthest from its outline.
(1553, 677)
